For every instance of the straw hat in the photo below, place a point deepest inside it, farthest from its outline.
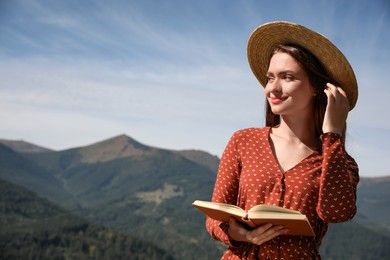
(264, 38)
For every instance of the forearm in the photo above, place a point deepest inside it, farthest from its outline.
(225, 189)
(339, 179)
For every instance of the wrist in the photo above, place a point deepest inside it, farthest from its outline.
(333, 130)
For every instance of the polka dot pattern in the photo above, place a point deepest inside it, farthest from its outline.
(322, 186)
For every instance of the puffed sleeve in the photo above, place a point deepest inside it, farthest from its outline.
(226, 189)
(339, 179)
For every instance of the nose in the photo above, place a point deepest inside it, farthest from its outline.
(274, 86)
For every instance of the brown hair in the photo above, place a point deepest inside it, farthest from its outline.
(318, 78)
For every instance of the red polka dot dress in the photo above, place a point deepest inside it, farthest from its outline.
(322, 186)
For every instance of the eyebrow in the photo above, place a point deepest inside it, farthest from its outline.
(282, 72)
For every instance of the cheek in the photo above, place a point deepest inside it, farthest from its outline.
(299, 90)
(268, 89)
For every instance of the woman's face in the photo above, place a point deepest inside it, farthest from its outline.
(288, 90)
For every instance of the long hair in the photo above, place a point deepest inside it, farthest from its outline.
(318, 77)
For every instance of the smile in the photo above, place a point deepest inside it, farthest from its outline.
(277, 100)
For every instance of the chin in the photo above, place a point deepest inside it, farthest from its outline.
(276, 111)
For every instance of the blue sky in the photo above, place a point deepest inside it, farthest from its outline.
(173, 74)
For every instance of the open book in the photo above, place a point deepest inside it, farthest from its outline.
(296, 222)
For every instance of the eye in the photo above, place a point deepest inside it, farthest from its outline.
(269, 79)
(288, 77)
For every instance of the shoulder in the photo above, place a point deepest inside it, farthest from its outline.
(245, 140)
(248, 135)
(252, 132)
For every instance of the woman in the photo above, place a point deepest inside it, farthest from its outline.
(298, 161)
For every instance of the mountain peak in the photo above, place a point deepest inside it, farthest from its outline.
(113, 148)
(122, 138)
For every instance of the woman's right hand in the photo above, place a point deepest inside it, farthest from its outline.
(337, 109)
(256, 236)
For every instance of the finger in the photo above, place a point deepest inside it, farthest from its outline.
(332, 89)
(335, 90)
(337, 95)
(342, 91)
(330, 96)
(276, 231)
(330, 85)
(258, 232)
(267, 231)
(262, 229)
(271, 233)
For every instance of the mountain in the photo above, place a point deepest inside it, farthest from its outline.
(34, 228)
(140, 190)
(203, 158)
(373, 203)
(24, 147)
(147, 192)
(351, 240)
(114, 148)
(16, 168)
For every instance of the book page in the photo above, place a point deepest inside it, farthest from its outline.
(220, 207)
(264, 208)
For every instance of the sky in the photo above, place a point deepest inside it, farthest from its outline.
(173, 74)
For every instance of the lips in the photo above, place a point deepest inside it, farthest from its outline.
(277, 100)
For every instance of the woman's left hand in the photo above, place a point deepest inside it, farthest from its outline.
(256, 236)
(337, 109)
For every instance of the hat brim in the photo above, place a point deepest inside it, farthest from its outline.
(266, 37)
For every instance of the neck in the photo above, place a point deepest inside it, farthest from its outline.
(298, 130)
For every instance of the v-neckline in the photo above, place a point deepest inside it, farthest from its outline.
(275, 159)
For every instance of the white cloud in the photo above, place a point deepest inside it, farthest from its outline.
(164, 106)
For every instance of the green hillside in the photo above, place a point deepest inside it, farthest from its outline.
(147, 195)
(353, 241)
(34, 228)
(16, 168)
(373, 204)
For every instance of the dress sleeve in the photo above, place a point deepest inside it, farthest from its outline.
(339, 179)
(226, 189)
